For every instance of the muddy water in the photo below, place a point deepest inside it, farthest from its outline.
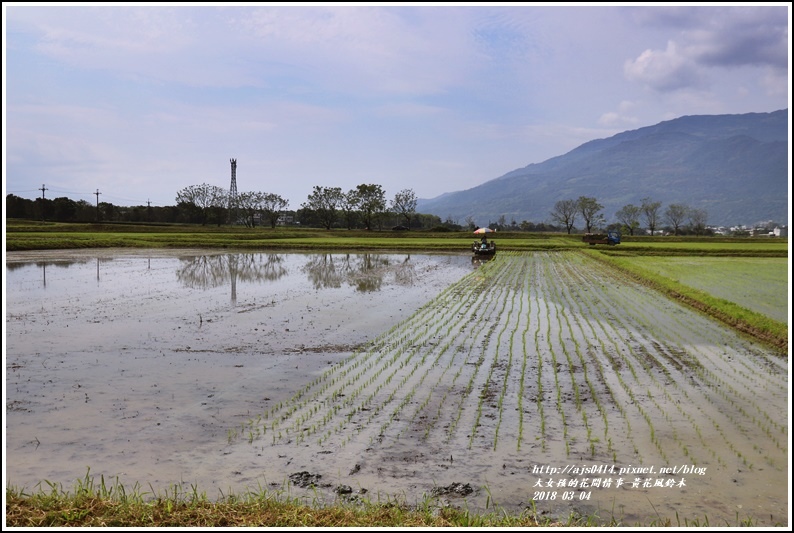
(137, 364)
(539, 380)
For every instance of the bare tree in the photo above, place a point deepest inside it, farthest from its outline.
(697, 221)
(675, 214)
(248, 203)
(219, 203)
(404, 204)
(629, 216)
(272, 205)
(651, 211)
(590, 209)
(564, 212)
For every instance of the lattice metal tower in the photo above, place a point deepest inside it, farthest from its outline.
(233, 194)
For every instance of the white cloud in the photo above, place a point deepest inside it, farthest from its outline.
(663, 71)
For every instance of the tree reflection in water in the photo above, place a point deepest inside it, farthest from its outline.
(208, 271)
(363, 271)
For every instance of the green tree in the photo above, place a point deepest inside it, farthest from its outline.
(85, 211)
(324, 202)
(564, 212)
(404, 204)
(590, 210)
(108, 211)
(371, 202)
(629, 216)
(650, 210)
(209, 200)
(349, 208)
(64, 209)
(18, 207)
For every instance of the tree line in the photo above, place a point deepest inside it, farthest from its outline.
(680, 218)
(365, 206)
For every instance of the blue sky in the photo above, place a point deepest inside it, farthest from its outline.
(138, 101)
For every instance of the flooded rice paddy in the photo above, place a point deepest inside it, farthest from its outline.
(536, 379)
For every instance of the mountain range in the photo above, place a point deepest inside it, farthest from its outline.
(735, 167)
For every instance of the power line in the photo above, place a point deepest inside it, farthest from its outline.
(86, 194)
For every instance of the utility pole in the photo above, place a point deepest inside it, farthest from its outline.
(43, 188)
(97, 193)
(148, 210)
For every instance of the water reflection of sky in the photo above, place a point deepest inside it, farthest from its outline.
(361, 272)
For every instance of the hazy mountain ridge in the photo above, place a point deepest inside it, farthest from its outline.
(733, 166)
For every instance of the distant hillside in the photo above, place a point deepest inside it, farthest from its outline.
(733, 166)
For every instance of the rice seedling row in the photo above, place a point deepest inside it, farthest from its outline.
(685, 366)
(637, 347)
(549, 357)
(714, 383)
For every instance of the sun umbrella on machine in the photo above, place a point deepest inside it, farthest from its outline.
(481, 231)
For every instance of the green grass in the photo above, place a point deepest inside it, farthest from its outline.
(35, 235)
(761, 327)
(759, 284)
(94, 503)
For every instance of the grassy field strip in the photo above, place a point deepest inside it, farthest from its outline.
(758, 283)
(737, 246)
(678, 336)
